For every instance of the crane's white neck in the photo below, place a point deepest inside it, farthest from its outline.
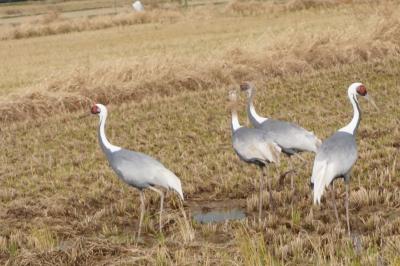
(254, 114)
(105, 144)
(351, 127)
(252, 111)
(235, 121)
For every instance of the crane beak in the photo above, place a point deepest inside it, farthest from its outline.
(370, 100)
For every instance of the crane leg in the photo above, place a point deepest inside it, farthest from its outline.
(304, 161)
(347, 208)
(334, 203)
(260, 193)
(291, 186)
(161, 204)
(271, 199)
(141, 212)
(291, 177)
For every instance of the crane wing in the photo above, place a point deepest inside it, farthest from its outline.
(253, 144)
(290, 136)
(141, 170)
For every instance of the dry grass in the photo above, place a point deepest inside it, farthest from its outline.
(51, 23)
(42, 7)
(253, 7)
(272, 55)
(60, 203)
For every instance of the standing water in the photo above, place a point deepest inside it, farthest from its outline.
(215, 212)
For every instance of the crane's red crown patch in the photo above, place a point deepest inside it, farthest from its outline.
(95, 109)
(362, 90)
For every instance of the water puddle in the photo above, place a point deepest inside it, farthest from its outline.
(219, 216)
(220, 211)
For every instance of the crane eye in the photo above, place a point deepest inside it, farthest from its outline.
(362, 90)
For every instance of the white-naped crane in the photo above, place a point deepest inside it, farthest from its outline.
(291, 138)
(338, 153)
(136, 169)
(253, 146)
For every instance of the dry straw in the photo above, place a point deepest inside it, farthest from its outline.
(53, 23)
(272, 56)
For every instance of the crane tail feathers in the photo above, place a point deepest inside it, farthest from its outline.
(275, 152)
(320, 179)
(318, 142)
(174, 183)
(180, 193)
(314, 142)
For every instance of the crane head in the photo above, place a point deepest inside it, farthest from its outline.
(358, 89)
(98, 109)
(95, 109)
(247, 87)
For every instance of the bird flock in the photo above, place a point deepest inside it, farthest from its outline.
(260, 145)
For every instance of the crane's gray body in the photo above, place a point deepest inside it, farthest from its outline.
(254, 146)
(137, 169)
(339, 152)
(289, 136)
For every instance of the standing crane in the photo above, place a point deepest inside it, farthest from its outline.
(253, 146)
(290, 137)
(338, 153)
(136, 169)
